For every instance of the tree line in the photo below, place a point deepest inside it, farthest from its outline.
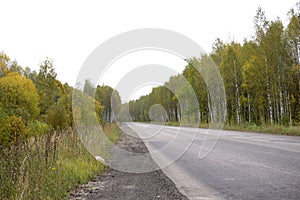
(37, 129)
(261, 78)
(35, 102)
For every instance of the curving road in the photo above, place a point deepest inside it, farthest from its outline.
(241, 165)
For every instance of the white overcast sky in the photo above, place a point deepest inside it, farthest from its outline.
(68, 31)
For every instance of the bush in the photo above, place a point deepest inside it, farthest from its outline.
(13, 131)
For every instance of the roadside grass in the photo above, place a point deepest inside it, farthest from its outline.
(113, 132)
(271, 129)
(35, 174)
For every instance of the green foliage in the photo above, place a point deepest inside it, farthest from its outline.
(87, 111)
(57, 117)
(26, 175)
(38, 129)
(270, 129)
(49, 89)
(4, 61)
(110, 99)
(13, 131)
(112, 132)
(88, 88)
(41, 156)
(261, 79)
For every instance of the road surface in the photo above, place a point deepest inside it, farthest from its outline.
(241, 165)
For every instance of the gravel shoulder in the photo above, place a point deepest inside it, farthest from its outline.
(122, 185)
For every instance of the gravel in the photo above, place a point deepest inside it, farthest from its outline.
(123, 185)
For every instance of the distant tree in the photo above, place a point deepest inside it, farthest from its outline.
(88, 88)
(108, 97)
(4, 62)
(49, 89)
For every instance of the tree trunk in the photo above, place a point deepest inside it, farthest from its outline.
(270, 109)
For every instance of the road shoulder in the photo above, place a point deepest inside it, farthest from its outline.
(123, 185)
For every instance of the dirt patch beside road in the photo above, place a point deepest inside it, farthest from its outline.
(122, 185)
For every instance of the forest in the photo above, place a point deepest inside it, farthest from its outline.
(41, 155)
(40, 152)
(261, 77)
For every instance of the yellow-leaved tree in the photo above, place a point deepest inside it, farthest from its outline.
(19, 103)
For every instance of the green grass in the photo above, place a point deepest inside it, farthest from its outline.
(28, 176)
(271, 129)
(113, 132)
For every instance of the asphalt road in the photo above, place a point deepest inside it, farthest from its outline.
(241, 165)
